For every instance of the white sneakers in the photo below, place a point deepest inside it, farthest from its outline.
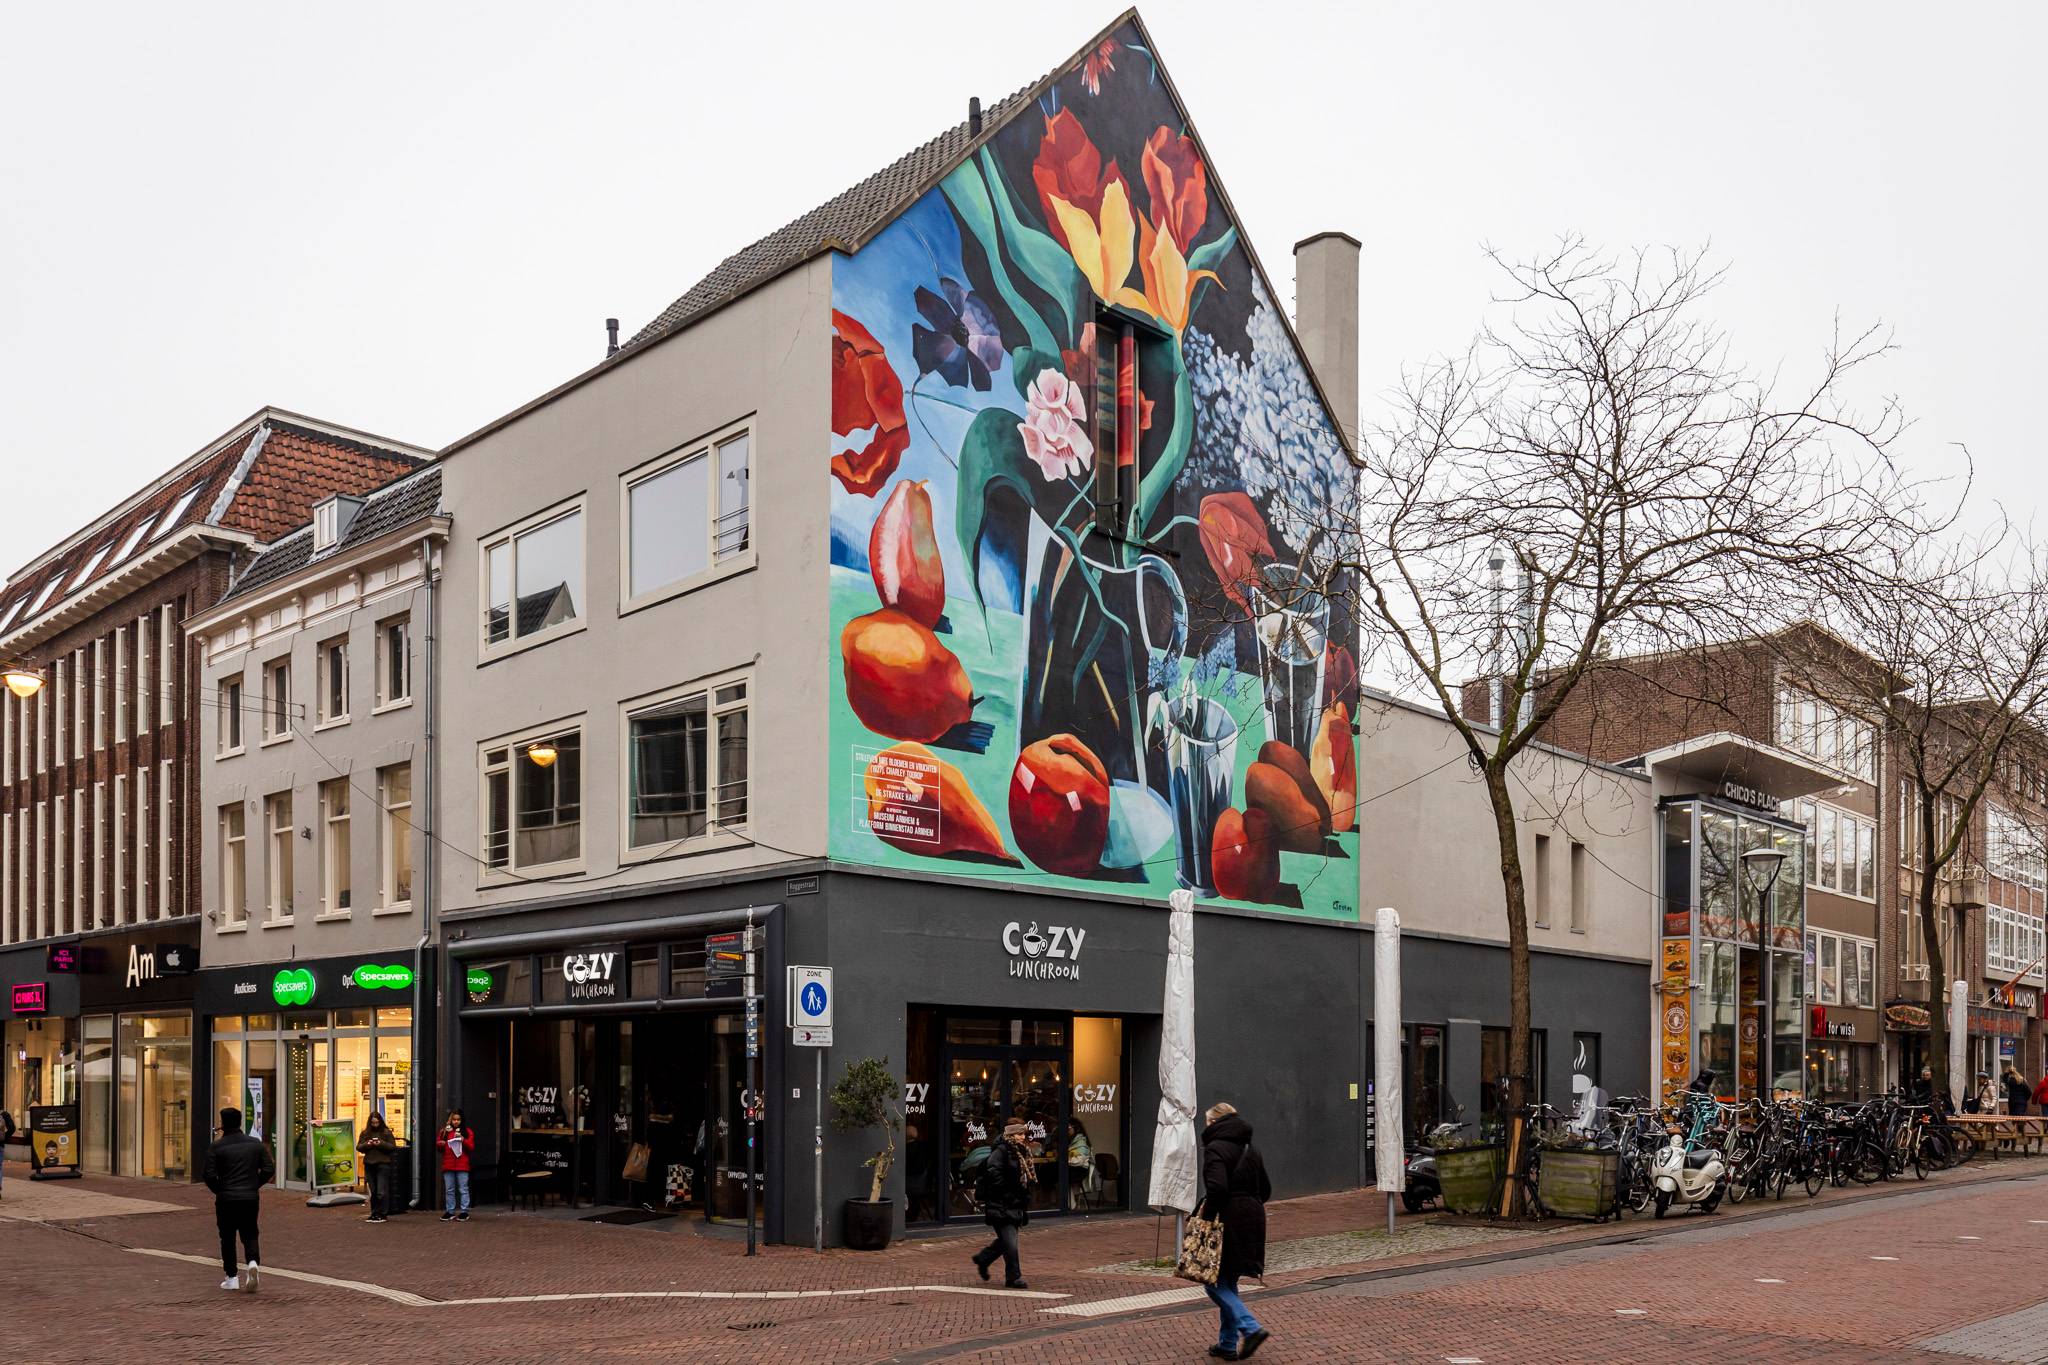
(231, 1283)
(250, 1273)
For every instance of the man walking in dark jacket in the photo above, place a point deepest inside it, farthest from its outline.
(1235, 1189)
(237, 1168)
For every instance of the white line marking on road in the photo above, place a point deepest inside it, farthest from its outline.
(1632, 1312)
(1764, 1281)
(1158, 1298)
(2038, 1220)
(1966, 1237)
(359, 1286)
(1463, 1360)
(410, 1300)
(1884, 1258)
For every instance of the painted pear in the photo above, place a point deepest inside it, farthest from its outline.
(900, 680)
(1335, 766)
(922, 804)
(903, 555)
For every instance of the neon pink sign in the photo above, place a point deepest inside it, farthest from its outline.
(31, 997)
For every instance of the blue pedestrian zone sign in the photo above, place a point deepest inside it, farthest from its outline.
(813, 1000)
(810, 998)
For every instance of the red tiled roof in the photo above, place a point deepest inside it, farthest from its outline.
(294, 467)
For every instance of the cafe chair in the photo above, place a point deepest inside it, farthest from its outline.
(1106, 1172)
(531, 1182)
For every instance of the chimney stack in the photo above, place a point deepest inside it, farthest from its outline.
(611, 332)
(1326, 318)
(974, 116)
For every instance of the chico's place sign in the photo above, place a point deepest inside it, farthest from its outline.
(1053, 954)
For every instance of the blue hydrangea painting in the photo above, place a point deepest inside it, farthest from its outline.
(1078, 470)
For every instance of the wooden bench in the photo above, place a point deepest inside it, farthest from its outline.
(2008, 1131)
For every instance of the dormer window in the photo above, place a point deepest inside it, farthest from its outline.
(331, 520)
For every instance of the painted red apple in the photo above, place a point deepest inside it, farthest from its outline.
(903, 555)
(1245, 857)
(1059, 806)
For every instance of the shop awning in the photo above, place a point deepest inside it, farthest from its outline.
(1738, 767)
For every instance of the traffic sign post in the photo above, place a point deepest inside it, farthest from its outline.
(810, 1025)
(753, 1082)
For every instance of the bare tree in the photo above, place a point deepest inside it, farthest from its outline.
(1596, 477)
(1959, 636)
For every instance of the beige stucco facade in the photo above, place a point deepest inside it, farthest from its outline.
(761, 365)
(1427, 845)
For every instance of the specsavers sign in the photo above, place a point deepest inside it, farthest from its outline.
(324, 983)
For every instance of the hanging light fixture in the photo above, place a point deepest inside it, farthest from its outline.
(23, 681)
(542, 752)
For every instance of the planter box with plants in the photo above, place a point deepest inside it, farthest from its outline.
(864, 1098)
(1470, 1177)
(1577, 1182)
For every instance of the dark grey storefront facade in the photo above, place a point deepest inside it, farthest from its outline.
(580, 1031)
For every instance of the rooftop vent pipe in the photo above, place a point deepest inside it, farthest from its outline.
(974, 116)
(611, 332)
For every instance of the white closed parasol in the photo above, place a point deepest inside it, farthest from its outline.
(1176, 1146)
(1390, 1156)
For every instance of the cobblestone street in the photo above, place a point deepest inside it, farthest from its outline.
(123, 1271)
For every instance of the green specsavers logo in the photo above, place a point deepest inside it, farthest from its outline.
(479, 982)
(292, 986)
(387, 978)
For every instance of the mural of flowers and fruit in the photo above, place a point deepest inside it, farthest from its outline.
(1077, 469)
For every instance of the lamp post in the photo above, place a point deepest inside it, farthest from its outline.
(1761, 866)
(22, 681)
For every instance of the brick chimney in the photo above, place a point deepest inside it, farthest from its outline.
(1326, 317)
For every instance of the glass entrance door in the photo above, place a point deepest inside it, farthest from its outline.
(985, 1089)
(308, 1080)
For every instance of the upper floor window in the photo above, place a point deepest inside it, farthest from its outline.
(1912, 836)
(687, 512)
(277, 699)
(334, 847)
(234, 866)
(178, 508)
(1843, 970)
(2013, 849)
(687, 765)
(533, 801)
(1826, 734)
(2014, 943)
(334, 679)
(279, 832)
(1841, 849)
(394, 794)
(230, 715)
(533, 577)
(394, 660)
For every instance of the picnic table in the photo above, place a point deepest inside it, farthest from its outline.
(1992, 1131)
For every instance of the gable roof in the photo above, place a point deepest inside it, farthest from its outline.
(252, 484)
(411, 497)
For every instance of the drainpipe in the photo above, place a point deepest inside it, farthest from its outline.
(428, 846)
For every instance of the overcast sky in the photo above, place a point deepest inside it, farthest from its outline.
(410, 219)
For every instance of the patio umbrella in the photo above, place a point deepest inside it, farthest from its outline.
(1176, 1146)
(1390, 1153)
(1958, 1038)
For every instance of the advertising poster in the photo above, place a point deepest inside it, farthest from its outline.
(334, 1154)
(1676, 1067)
(252, 1108)
(53, 1141)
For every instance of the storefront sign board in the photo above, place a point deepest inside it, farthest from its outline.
(62, 957)
(31, 997)
(53, 1141)
(334, 1154)
(1677, 1011)
(371, 977)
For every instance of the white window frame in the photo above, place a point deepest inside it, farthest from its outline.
(513, 643)
(230, 699)
(1859, 829)
(514, 747)
(167, 663)
(277, 702)
(391, 814)
(99, 854)
(330, 670)
(166, 841)
(2014, 941)
(388, 699)
(716, 566)
(99, 689)
(143, 910)
(142, 657)
(234, 868)
(60, 866)
(120, 707)
(1847, 948)
(280, 873)
(336, 864)
(717, 834)
(120, 847)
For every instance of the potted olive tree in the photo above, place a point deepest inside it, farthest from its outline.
(864, 1098)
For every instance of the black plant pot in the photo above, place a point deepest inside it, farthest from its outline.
(869, 1224)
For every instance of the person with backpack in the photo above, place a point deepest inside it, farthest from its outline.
(1235, 1189)
(1003, 1189)
(236, 1169)
(379, 1147)
(455, 1141)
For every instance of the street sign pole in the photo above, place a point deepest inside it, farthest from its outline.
(808, 1009)
(818, 1154)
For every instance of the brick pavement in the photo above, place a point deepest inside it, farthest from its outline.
(145, 1307)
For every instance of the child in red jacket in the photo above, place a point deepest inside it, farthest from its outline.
(455, 1142)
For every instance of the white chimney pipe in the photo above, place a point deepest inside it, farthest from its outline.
(1326, 318)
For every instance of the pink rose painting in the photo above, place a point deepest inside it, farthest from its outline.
(1054, 436)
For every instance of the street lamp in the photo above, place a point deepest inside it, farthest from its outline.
(23, 681)
(1761, 866)
(542, 752)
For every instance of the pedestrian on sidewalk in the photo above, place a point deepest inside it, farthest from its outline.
(1235, 1189)
(455, 1142)
(1003, 1190)
(379, 1147)
(2041, 1095)
(237, 1168)
(2017, 1092)
(6, 1136)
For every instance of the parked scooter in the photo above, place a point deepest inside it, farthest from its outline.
(1422, 1187)
(1681, 1173)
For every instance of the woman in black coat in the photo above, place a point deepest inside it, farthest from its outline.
(1235, 1188)
(2017, 1092)
(1003, 1191)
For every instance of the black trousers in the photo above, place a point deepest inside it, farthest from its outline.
(1005, 1246)
(380, 1188)
(235, 1217)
